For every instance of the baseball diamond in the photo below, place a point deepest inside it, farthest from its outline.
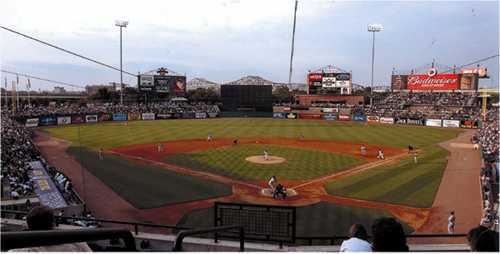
(322, 161)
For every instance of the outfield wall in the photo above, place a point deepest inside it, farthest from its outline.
(335, 114)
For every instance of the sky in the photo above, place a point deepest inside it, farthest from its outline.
(223, 40)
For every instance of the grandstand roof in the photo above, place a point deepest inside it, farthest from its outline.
(329, 69)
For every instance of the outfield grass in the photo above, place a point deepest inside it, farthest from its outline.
(406, 183)
(146, 186)
(116, 134)
(300, 163)
(321, 219)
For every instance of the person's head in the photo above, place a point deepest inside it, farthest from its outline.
(477, 233)
(388, 235)
(487, 241)
(40, 218)
(358, 231)
(452, 213)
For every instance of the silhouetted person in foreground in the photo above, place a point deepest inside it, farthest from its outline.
(482, 239)
(358, 240)
(388, 235)
(42, 218)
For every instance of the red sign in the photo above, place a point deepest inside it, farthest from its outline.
(309, 116)
(315, 77)
(436, 82)
(344, 117)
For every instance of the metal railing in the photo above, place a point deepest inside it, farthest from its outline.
(185, 233)
(27, 239)
(135, 224)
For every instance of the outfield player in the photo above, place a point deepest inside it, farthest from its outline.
(415, 159)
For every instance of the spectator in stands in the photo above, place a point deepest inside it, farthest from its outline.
(42, 218)
(358, 240)
(388, 235)
(482, 239)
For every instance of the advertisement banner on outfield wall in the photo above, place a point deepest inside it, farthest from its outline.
(309, 116)
(148, 116)
(188, 115)
(359, 118)
(164, 116)
(91, 118)
(31, 122)
(451, 123)
(279, 115)
(291, 116)
(134, 116)
(330, 116)
(200, 115)
(330, 110)
(63, 120)
(414, 121)
(344, 117)
(386, 120)
(119, 117)
(372, 119)
(105, 117)
(77, 119)
(433, 122)
(48, 120)
(400, 120)
(469, 124)
(212, 114)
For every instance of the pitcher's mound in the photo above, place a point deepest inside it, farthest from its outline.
(270, 159)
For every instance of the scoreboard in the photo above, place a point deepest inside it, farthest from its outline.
(324, 83)
(171, 84)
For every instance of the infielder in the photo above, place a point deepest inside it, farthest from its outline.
(380, 154)
(160, 147)
(415, 157)
(363, 150)
(209, 137)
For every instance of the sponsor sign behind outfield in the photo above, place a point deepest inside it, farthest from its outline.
(445, 81)
(91, 118)
(359, 118)
(105, 117)
(48, 120)
(330, 110)
(200, 115)
(291, 116)
(63, 120)
(212, 114)
(433, 122)
(134, 116)
(344, 117)
(77, 119)
(119, 117)
(279, 115)
(309, 116)
(386, 120)
(451, 123)
(330, 116)
(32, 122)
(372, 119)
(148, 116)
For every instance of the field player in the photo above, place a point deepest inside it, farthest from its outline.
(380, 154)
(266, 155)
(209, 137)
(271, 183)
(362, 150)
(451, 223)
(99, 153)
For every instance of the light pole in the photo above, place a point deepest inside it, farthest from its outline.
(121, 24)
(373, 28)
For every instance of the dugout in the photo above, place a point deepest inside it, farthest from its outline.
(247, 98)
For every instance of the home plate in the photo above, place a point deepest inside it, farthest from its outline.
(269, 193)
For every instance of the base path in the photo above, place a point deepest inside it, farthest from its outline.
(460, 188)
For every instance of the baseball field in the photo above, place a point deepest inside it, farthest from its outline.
(169, 164)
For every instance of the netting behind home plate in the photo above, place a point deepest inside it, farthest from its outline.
(260, 222)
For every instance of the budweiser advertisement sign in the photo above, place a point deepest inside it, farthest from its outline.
(436, 82)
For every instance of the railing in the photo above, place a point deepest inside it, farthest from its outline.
(185, 233)
(27, 239)
(135, 224)
(333, 239)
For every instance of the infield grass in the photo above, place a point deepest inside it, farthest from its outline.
(300, 164)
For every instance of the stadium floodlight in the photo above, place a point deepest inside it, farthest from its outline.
(121, 24)
(373, 28)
